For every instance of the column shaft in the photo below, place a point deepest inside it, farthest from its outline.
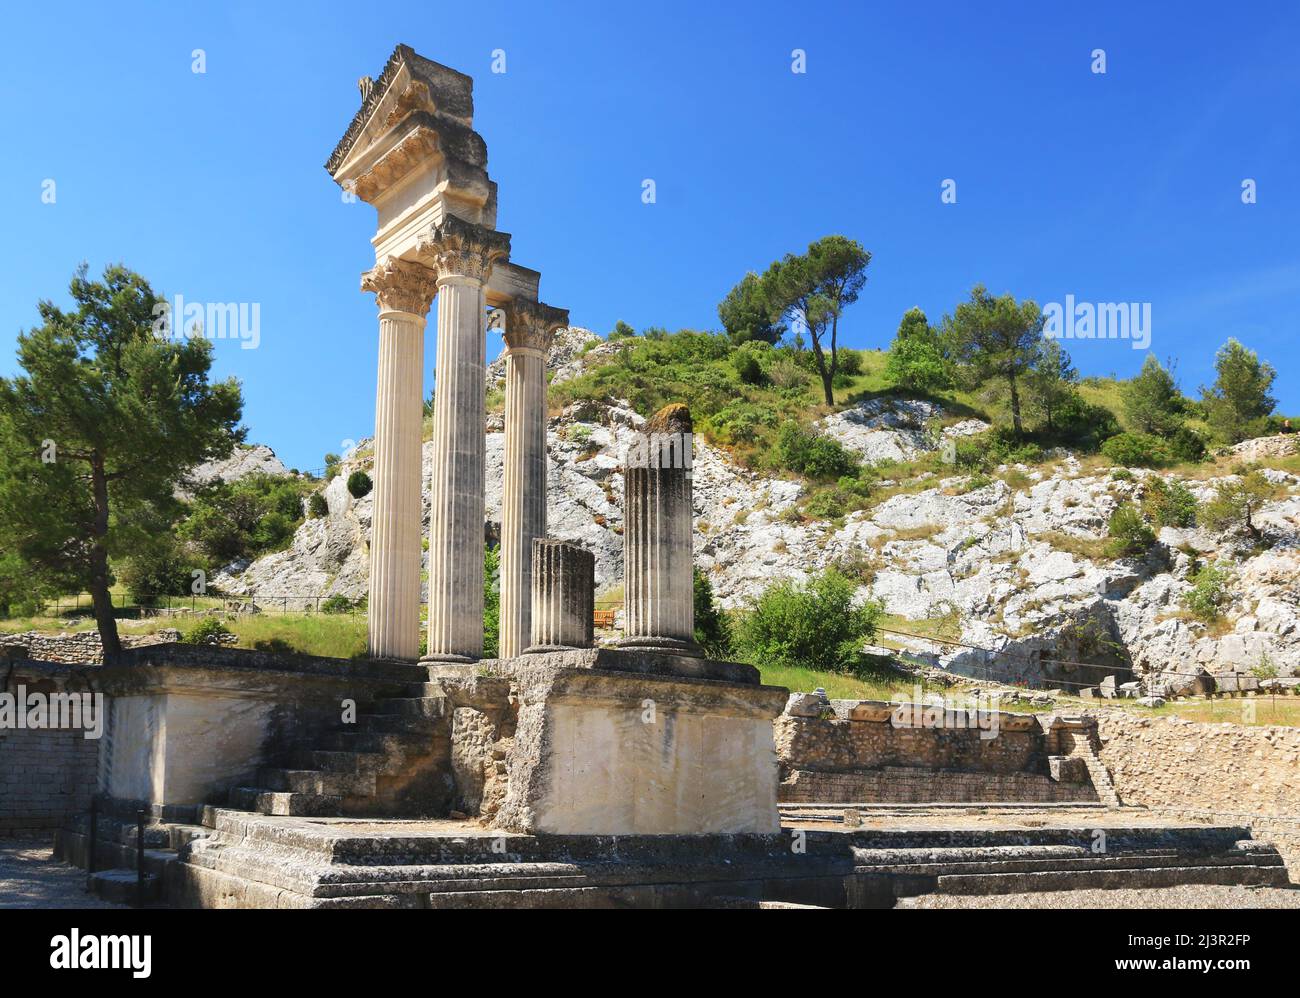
(394, 607)
(456, 516)
(523, 497)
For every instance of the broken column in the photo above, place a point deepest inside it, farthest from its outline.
(563, 596)
(657, 562)
(529, 330)
(462, 254)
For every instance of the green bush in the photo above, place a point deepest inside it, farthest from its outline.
(337, 604)
(1130, 537)
(740, 422)
(162, 570)
(748, 367)
(814, 626)
(813, 455)
(1137, 450)
(318, 506)
(206, 631)
(712, 629)
(1187, 445)
(1170, 504)
(359, 484)
(850, 362)
(1209, 593)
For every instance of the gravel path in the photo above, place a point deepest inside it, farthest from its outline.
(29, 878)
(1186, 896)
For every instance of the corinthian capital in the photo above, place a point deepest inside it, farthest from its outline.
(401, 285)
(531, 325)
(456, 248)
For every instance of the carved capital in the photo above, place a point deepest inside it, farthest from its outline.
(531, 325)
(401, 285)
(456, 248)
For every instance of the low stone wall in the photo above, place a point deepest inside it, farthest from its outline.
(1215, 772)
(912, 785)
(46, 775)
(81, 647)
(866, 751)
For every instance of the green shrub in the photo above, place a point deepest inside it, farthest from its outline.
(712, 629)
(740, 422)
(747, 366)
(1130, 537)
(850, 362)
(162, 570)
(318, 506)
(1137, 450)
(1169, 504)
(815, 626)
(209, 630)
(1209, 593)
(337, 603)
(1187, 445)
(813, 455)
(359, 484)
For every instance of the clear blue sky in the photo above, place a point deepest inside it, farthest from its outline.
(1117, 187)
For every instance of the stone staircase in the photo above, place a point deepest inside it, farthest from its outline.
(392, 762)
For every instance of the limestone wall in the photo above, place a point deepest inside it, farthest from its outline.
(860, 753)
(45, 775)
(80, 648)
(1217, 772)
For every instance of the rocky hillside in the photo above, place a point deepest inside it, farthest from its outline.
(1011, 565)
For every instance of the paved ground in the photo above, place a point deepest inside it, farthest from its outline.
(1186, 896)
(29, 878)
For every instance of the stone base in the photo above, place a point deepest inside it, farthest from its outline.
(619, 742)
(667, 646)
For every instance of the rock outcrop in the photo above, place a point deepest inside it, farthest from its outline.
(1017, 573)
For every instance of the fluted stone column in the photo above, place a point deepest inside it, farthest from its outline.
(530, 329)
(657, 564)
(403, 291)
(563, 596)
(462, 254)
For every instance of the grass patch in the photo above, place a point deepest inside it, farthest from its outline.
(341, 635)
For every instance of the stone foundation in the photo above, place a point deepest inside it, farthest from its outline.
(1189, 769)
(619, 742)
(843, 751)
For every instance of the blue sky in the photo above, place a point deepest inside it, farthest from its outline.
(1117, 187)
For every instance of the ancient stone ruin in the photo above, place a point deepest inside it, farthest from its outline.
(559, 773)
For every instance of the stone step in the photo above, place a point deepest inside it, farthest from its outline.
(423, 706)
(271, 802)
(1127, 877)
(341, 761)
(318, 782)
(400, 724)
(1032, 863)
(400, 744)
(182, 835)
(121, 886)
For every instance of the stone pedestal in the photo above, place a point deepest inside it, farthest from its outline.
(657, 565)
(530, 329)
(462, 254)
(622, 742)
(403, 291)
(563, 596)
